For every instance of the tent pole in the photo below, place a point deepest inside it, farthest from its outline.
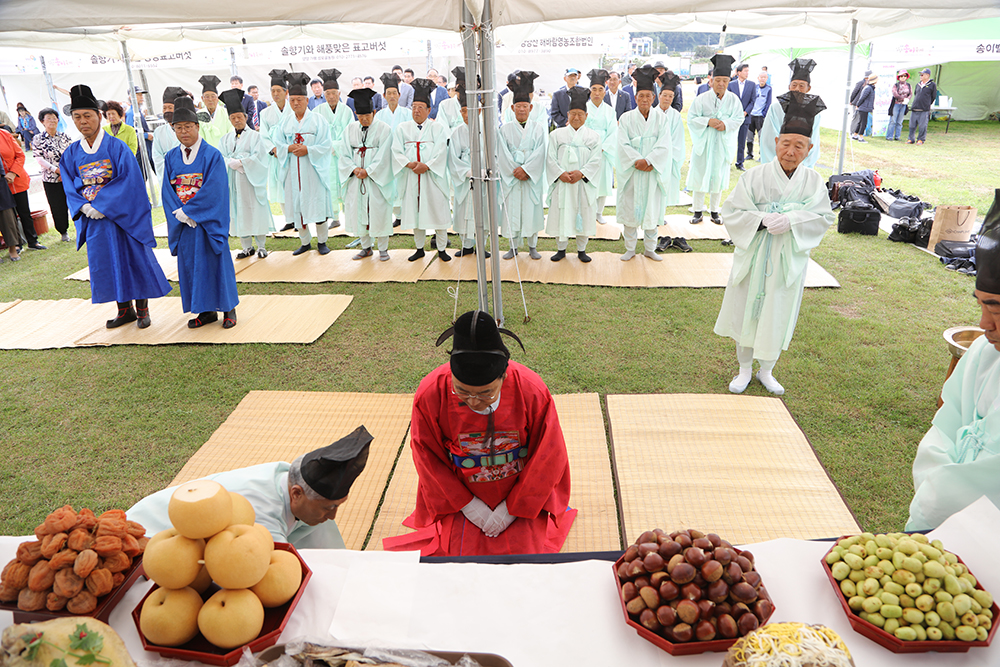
(489, 73)
(233, 71)
(847, 95)
(468, 33)
(48, 84)
(137, 126)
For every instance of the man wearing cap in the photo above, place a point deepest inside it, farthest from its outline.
(924, 95)
(100, 178)
(164, 137)
(297, 502)
(364, 160)
(714, 120)
(338, 116)
(744, 90)
(420, 165)
(573, 168)
(601, 119)
(271, 119)
(521, 162)
(645, 162)
(304, 149)
(775, 117)
(777, 213)
(559, 109)
(218, 124)
(492, 469)
(901, 93)
(758, 112)
(245, 152)
(957, 460)
(450, 110)
(196, 203)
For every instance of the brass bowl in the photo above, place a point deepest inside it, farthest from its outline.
(960, 338)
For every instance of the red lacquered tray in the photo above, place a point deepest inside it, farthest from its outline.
(693, 647)
(895, 644)
(201, 650)
(105, 605)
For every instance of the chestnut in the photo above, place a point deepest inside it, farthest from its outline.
(704, 631)
(647, 548)
(695, 556)
(762, 609)
(746, 554)
(722, 608)
(669, 548)
(623, 570)
(682, 632)
(733, 574)
(707, 608)
(683, 573)
(691, 591)
(648, 620)
(653, 562)
(744, 563)
(688, 611)
(658, 578)
(668, 591)
(683, 539)
(695, 534)
(712, 571)
(635, 606)
(641, 581)
(636, 568)
(724, 555)
(714, 539)
(674, 561)
(739, 609)
(752, 577)
(631, 553)
(718, 591)
(747, 623)
(647, 536)
(702, 543)
(629, 591)
(727, 626)
(666, 615)
(743, 592)
(650, 597)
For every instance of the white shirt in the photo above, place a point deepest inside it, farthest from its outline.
(614, 99)
(188, 159)
(740, 85)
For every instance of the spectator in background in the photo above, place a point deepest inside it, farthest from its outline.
(616, 97)
(6, 123)
(17, 180)
(901, 93)
(26, 126)
(924, 96)
(405, 89)
(745, 91)
(255, 107)
(855, 93)
(764, 70)
(116, 128)
(703, 87)
(378, 102)
(866, 104)
(559, 111)
(629, 87)
(439, 94)
(357, 83)
(8, 221)
(318, 96)
(48, 147)
(761, 103)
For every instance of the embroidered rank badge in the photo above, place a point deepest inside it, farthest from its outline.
(187, 185)
(95, 175)
(478, 465)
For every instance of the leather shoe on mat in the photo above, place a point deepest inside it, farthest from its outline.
(680, 243)
(301, 249)
(203, 319)
(126, 314)
(229, 320)
(322, 249)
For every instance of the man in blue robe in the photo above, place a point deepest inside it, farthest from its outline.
(196, 203)
(101, 179)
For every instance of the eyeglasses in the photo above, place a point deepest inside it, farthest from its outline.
(488, 396)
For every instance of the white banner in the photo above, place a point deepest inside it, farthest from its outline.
(333, 51)
(612, 43)
(925, 52)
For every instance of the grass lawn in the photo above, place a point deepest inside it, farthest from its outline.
(101, 427)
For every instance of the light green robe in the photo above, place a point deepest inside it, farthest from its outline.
(266, 487)
(270, 123)
(713, 151)
(249, 210)
(602, 119)
(573, 206)
(218, 127)
(523, 201)
(424, 198)
(338, 121)
(307, 179)
(958, 459)
(642, 194)
(370, 210)
(536, 115)
(761, 303)
(450, 113)
(772, 128)
(460, 171)
(394, 118)
(164, 139)
(678, 151)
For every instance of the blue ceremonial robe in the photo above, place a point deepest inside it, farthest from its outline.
(119, 246)
(204, 264)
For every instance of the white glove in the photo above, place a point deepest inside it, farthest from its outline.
(235, 165)
(91, 212)
(183, 217)
(779, 224)
(477, 512)
(499, 521)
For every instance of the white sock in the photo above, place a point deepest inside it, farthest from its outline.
(770, 383)
(741, 381)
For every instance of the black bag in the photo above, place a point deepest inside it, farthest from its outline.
(906, 209)
(859, 186)
(963, 249)
(858, 220)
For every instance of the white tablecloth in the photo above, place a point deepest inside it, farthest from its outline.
(566, 614)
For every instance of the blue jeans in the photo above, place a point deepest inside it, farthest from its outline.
(896, 122)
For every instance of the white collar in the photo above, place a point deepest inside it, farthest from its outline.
(87, 148)
(492, 408)
(188, 159)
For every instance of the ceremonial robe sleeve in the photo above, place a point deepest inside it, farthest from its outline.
(609, 140)
(810, 223)
(438, 161)
(698, 126)
(591, 169)
(553, 169)
(255, 165)
(534, 163)
(459, 164)
(740, 214)
(506, 161)
(399, 156)
(678, 150)
(380, 167)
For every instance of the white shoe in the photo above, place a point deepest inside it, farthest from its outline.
(770, 383)
(741, 382)
(629, 254)
(652, 255)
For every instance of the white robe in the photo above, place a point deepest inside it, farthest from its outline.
(370, 211)
(603, 120)
(394, 118)
(450, 113)
(713, 151)
(678, 152)
(764, 292)
(424, 198)
(523, 201)
(249, 210)
(164, 139)
(460, 171)
(337, 121)
(772, 128)
(642, 194)
(573, 206)
(306, 179)
(270, 127)
(958, 460)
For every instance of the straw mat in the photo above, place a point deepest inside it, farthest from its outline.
(678, 225)
(280, 425)
(596, 524)
(738, 466)
(693, 269)
(337, 266)
(42, 325)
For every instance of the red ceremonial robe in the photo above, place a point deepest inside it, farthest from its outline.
(447, 438)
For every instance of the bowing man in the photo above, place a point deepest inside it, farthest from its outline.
(217, 125)
(800, 83)
(247, 161)
(420, 164)
(601, 118)
(196, 203)
(101, 179)
(573, 167)
(364, 159)
(777, 213)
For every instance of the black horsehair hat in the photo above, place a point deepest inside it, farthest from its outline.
(478, 356)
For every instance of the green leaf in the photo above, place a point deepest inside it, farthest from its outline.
(33, 641)
(85, 640)
(58, 662)
(87, 659)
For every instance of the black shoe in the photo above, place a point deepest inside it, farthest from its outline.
(663, 243)
(37, 246)
(261, 253)
(142, 313)
(417, 255)
(246, 252)
(287, 227)
(301, 249)
(715, 218)
(583, 256)
(444, 256)
(558, 256)
(696, 219)
(229, 319)
(465, 251)
(126, 314)
(681, 244)
(322, 249)
(64, 238)
(203, 319)
(397, 222)
(740, 167)
(726, 242)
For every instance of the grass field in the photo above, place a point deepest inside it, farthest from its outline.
(101, 427)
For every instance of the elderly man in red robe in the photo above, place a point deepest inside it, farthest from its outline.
(489, 452)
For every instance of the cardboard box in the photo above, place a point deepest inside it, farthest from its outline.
(952, 223)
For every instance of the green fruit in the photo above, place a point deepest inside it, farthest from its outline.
(904, 577)
(951, 584)
(934, 634)
(894, 588)
(950, 557)
(914, 590)
(946, 610)
(884, 541)
(857, 576)
(921, 633)
(943, 596)
(891, 610)
(913, 616)
(934, 569)
(886, 566)
(913, 565)
(871, 605)
(976, 607)
(832, 557)
(883, 553)
(898, 558)
(876, 619)
(931, 586)
(840, 570)
(981, 634)
(874, 572)
(857, 550)
(983, 622)
(971, 579)
(870, 587)
(848, 588)
(924, 603)
(854, 561)
(890, 625)
(965, 633)
(932, 619)
(963, 603)
(920, 538)
(871, 561)
(855, 603)
(908, 547)
(889, 598)
(947, 631)
(929, 551)
(970, 619)
(906, 634)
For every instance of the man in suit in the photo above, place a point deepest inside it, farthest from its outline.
(761, 103)
(629, 87)
(743, 90)
(616, 97)
(703, 88)
(405, 89)
(440, 93)
(253, 107)
(559, 111)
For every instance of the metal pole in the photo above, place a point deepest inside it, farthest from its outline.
(48, 84)
(489, 74)
(847, 95)
(232, 62)
(475, 149)
(137, 126)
